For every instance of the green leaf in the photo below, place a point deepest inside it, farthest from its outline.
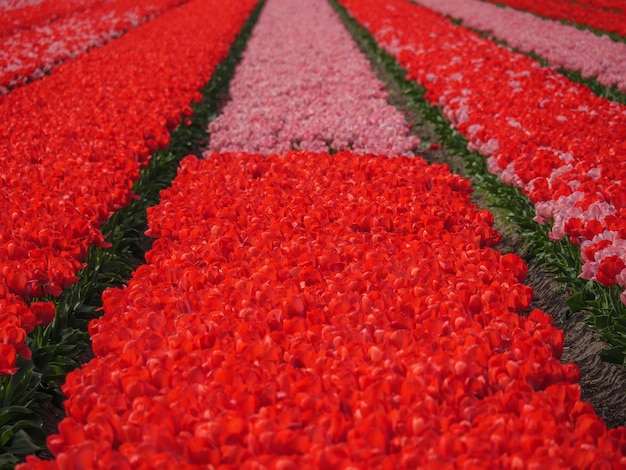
(55, 371)
(6, 434)
(576, 302)
(33, 424)
(601, 321)
(615, 355)
(24, 444)
(15, 414)
(8, 461)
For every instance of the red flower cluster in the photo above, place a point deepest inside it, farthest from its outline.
(72, 144)
(556, 139)
(606, 15)
(316, 311)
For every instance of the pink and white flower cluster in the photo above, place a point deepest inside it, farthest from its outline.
(563, 145)
(561, 45)
(30, 53)
(303, 84)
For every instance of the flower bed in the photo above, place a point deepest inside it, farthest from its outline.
(68, 164)
(303, 84)
(30, 53)
(316, 311)
(561, 45)
(605, 17)
(556, 140)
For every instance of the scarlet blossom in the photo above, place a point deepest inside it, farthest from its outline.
(609, 268)
(43, 311)
(8, 356)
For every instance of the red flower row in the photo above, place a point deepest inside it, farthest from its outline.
(316, 311)
(31, 52)
(617, 5)
(556, 139)
(72, 144)
(606, 15)
(27, 14)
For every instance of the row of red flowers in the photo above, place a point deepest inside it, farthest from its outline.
(19, 15)
(316, 311)
(30, 53)
(617, 5)
(556, 139)
(607, 15)
(72, 144)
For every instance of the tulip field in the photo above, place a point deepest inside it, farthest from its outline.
(236, 234)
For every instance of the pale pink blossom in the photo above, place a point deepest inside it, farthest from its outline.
(508, 176)
(543, 211)
(492, 163)
(490, 147)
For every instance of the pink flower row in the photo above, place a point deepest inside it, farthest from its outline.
(311, 311)
(303, 84)
(558, 141)
(30, 53)
(16, 15)
(561, 45)
(72, 144)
